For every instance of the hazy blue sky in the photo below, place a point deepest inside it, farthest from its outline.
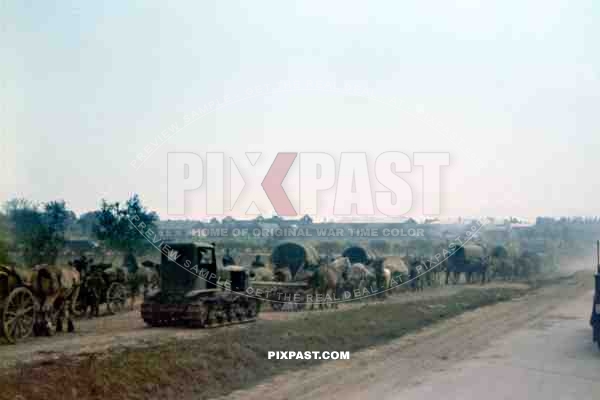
(511, 91)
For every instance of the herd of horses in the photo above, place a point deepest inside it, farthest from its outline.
(378, 276)
(345, 277)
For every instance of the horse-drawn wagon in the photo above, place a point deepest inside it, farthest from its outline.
(112, 285)
(470, 259)
(295, 267)
(101, 284)
(360, 255)
(37, 300)
(19, 305)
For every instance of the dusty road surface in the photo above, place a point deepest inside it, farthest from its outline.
(127, 330)
(536, 347)
(552, 358)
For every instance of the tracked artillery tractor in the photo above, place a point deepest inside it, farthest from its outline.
(190, 294)
(595, 319)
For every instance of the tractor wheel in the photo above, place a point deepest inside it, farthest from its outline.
(198, 316)
(116, 298)
(253, 308)
(239, 311)
(18, 315)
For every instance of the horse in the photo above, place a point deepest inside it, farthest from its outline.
(359, 278)
(57, 288)
(329, 280)
(383, 276)
(470, 269)
(261, 274)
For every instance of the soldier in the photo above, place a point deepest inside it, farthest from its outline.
(257, 263)
(228, 259)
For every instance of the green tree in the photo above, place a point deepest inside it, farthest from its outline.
(39, 231)
(86, 223)
(57, 219)
(5, 241)
(330, 247)
(122, 228)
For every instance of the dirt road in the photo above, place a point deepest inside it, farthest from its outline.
(538, 346)
(553, 358)
(127, 330)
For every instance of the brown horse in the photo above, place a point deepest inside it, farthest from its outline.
(330, 281)
(359, 278)
(58, 288)
(383, 275)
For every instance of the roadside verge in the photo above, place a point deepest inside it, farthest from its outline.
(233, 358)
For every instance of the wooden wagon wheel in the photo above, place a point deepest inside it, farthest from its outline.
(18, 315)
(116, 297)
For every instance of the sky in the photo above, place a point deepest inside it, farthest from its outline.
(509, 90)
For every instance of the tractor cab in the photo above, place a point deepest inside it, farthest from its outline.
(237, 277)
(188, 267)
(190, 292)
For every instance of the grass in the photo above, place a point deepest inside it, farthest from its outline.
(232, 358)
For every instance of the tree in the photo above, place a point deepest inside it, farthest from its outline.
(4, 240)
(122, 228)
(87, 223)
(39, 231)
(57, 219)
(330, 247)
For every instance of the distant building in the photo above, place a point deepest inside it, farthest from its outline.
(177, 231)
(79, 247)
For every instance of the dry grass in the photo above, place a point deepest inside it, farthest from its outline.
(233, 357)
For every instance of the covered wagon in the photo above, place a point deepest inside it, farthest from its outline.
(295, 268)
(293, 257)
(469, 259)
(359, 254)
